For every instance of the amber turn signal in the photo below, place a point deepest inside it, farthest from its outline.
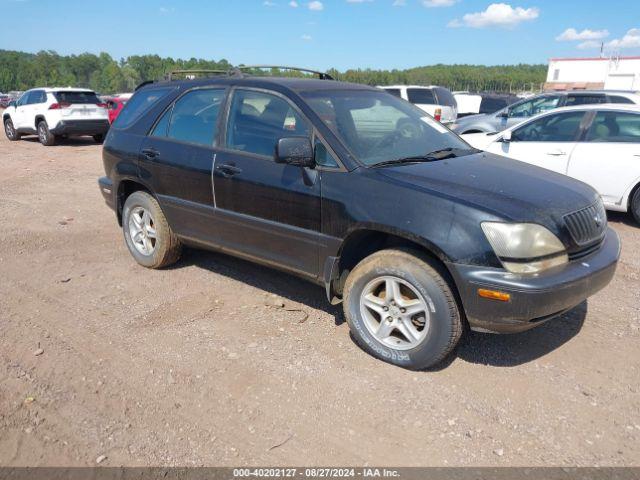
(494, 295)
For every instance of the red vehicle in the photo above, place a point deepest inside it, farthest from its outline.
(4, 101)
(115, 106)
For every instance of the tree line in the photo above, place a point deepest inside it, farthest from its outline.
(104, 74)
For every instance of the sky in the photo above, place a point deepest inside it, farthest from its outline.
(323, 34)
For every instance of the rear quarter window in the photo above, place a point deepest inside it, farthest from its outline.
(619, 99)
(446, 98)
(140, 103)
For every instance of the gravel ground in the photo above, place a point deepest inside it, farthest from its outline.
(217, 361)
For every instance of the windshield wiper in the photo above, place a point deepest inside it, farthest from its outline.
(441, 154)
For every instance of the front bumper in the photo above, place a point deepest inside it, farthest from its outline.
(534, 298)
(106, 188)
(81, 127)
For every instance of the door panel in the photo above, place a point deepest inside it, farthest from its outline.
(267, 210)
(176, 161)
(552, 156)
(609, 159)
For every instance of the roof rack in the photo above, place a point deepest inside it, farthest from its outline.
(170, 76)
(321, 75)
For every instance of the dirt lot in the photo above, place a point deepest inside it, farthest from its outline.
(196, 365)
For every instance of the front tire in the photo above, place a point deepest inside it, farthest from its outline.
(147, 233)
(45, 136)
(400, 309)
(635, 205)
(10, 131)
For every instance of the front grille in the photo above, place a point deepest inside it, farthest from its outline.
(587, 225)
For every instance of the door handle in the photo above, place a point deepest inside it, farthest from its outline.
(556, 153)
(150, 153)
(228, 170)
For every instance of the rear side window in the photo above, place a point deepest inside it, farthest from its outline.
(615, 127)
(77, 97)
(195, 117)
(561, 127)
(141, 102)
(585, 99)
(446, 98)
(394, 91)
(421, 96)
(619, 99)
(258, 120)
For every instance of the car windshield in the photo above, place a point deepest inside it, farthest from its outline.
(377, 127)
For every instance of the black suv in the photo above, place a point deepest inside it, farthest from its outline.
(358, 191)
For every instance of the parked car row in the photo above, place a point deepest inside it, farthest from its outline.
(598, 144)
(416, 232)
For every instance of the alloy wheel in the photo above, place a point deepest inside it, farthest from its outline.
(142, 230)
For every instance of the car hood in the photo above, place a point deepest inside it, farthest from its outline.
(508, 189)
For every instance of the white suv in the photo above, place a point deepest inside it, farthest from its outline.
(436, 101)
(56, 112)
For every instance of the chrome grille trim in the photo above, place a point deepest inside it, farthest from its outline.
(587, 225)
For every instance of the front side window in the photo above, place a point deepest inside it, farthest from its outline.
(323, 157)
(141, 102)
(421, 96)
(561, 127)
(533, 107)
(194, 117)
(258, 120)
(378, 127)
(24, 99)
(615, 127)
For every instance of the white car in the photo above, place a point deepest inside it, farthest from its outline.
(56, 112)
(598, 144)
(436, 101)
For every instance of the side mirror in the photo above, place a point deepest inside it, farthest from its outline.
(295, 151)
(506, 136)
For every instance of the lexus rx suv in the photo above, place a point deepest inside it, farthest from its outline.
(417, 233)
(52, 113)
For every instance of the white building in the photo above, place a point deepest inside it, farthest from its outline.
(612, 73)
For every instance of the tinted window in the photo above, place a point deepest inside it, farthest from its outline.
(142, 101)
(492, 104)
(258, 120)
(77, 97)
(195, 116)
(37, 96)
(533, 107)
(24, 99)
(445, 97)
(562, 127)
(394, 91)
(421, 96)
(376, 127)
(619, 99)
(584, 99)
(615, 127)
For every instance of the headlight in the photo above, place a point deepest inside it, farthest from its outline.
(525, 247)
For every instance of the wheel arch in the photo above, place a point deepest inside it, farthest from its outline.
(363, 242)
(126, 187)
(39, 118)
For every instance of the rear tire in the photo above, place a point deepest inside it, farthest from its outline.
(147, 233)
(417, 324)
(98, 138)
(45, 136)
(10, 131)
(635, 205)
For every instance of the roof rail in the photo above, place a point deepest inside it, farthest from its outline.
(146, 82)
(170, 76)
(321, 75)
